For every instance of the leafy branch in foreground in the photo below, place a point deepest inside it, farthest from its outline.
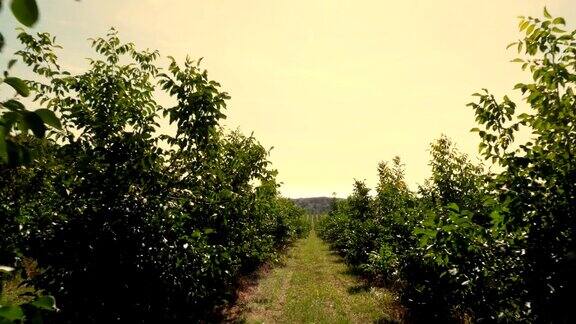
(16, 119)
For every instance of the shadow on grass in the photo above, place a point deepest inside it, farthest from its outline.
(396, 313)
(355, 272)
(386, 321)
(232, 311)
(336, 257)
(360, 288)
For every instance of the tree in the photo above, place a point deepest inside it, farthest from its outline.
(128, 222)
(540, 174)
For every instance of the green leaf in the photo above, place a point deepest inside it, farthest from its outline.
(49, 118)
(453, 207)
(25, 11)
(7, 120)
(559, 21)
(11, 313)
(18, 85)
(11, 63)
(196, 234)
(13, 105)
(496, 217)
(35, 123)
(523, 116)
(547, 14)
(482, 146)
(424, 232)
(45, 302)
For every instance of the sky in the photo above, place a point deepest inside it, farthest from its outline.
(333, 86)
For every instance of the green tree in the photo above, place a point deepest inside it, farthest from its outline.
(128, 222)
(540, 175)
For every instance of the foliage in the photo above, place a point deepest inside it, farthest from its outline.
(539, 181)
(128, 221)
(495, 247)
(15, 118)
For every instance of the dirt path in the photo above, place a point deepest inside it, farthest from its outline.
(314, 286)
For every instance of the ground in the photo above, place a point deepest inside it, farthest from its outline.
(313, 285)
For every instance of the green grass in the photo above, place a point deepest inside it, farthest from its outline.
(315, 286)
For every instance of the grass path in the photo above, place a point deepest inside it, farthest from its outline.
(314, 286)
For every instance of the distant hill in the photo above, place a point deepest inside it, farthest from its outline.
(315, 205)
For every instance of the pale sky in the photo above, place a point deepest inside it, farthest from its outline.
(334, 86)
